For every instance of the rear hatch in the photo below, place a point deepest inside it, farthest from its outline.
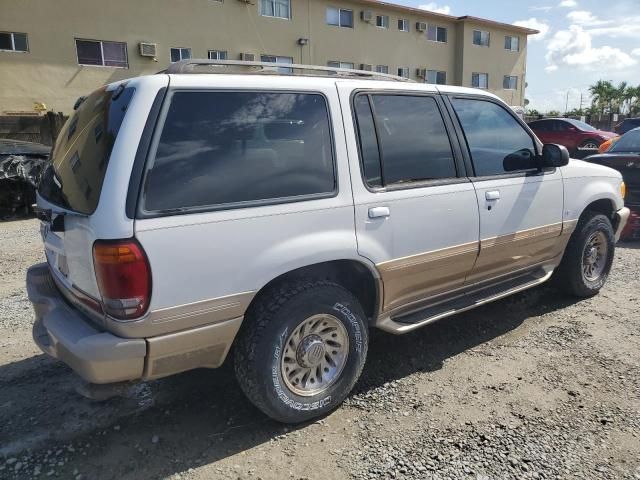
(71, 185)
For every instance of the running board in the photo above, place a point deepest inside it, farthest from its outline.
(411, 321)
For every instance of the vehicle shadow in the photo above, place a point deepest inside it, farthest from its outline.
(631, 245)
(200, 417)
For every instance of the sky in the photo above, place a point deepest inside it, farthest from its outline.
(580, 42)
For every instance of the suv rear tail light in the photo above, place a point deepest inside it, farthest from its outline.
(124, 277)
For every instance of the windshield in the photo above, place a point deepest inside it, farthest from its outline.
(581, 125)
(629, 143)
(73, 179)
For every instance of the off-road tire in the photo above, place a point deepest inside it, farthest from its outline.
(265, 330)
(569, 275)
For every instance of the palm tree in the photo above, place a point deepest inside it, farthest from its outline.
(602, 93)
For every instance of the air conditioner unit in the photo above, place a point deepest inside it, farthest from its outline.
(367, 67)
(247, 57)
(148, 49)
(421, 26)
(421, 72)
(366, 15)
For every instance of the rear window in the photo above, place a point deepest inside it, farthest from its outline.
(226, 149)
(73, 179)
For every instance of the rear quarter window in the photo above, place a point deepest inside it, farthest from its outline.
(73, 179)
(231, 149)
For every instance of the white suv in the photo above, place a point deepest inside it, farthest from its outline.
(185, 214)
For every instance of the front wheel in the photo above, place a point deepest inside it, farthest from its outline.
(301, 350)
(588, 257)
(590, 144)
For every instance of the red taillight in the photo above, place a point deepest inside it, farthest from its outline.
(124, 277)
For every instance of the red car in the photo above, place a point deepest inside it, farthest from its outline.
(573, 134)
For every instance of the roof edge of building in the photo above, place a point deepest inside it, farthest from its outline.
(451, 18)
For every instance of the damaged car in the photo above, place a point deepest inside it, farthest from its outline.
(21, 164)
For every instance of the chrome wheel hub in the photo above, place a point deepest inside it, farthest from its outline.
(594, 256)
(314, 355)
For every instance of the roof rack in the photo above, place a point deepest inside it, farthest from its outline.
(271, 68)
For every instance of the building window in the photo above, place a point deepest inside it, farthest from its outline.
(178, 54)
(510, 82)
(403, 72)
(275, 8)
(480, 80)
(481, 38)
(14, 42)
(403, 24)
(217, 55)
(437, 77)
(339, 17)
(382, 21)
(436, 34)
(278, 59)
(101, 53)
(337, 64)
(512, 43)
(382, 68)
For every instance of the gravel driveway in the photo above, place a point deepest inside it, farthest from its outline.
(535, 386)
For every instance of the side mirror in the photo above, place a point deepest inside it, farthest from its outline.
(554, 155)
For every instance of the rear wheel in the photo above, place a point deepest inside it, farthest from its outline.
(301, 350)
(588, 257)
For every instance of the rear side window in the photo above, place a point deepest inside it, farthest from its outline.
(81, 154)
(405, 134)
(493, 136)
(225, 149)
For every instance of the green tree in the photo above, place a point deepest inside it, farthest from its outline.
(553, 113)
(603, 93)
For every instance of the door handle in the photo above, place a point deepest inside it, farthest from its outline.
(492, 195)
(379, 212)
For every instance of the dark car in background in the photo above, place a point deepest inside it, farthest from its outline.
(572, 134)
(626, 125)
(624, 156)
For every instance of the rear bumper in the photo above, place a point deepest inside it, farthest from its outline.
(66, 334)
(622, 216)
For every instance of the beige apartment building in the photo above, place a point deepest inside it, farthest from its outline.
(53, 51)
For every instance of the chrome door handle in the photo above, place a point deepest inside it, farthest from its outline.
(492, 195)
(379, 212)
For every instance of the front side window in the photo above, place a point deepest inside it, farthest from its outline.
(236, 148)
(382, 21)
(510, 82)
(481, 38)
(338, 64)
(339, 17)
(512, 43)
(436, 34)
(102, 53)
(436, 77)
(403, 24)
(493, 135)
(480, 80)
(217, 55)
(178, 53)
(278, 59)
(14, 42)
(275, 8)
(382, 68)
(412, 142)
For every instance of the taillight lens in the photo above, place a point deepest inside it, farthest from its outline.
(124, 277)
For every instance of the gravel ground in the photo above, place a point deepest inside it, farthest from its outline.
(535, 386)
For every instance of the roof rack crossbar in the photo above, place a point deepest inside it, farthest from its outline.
(188, 66)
